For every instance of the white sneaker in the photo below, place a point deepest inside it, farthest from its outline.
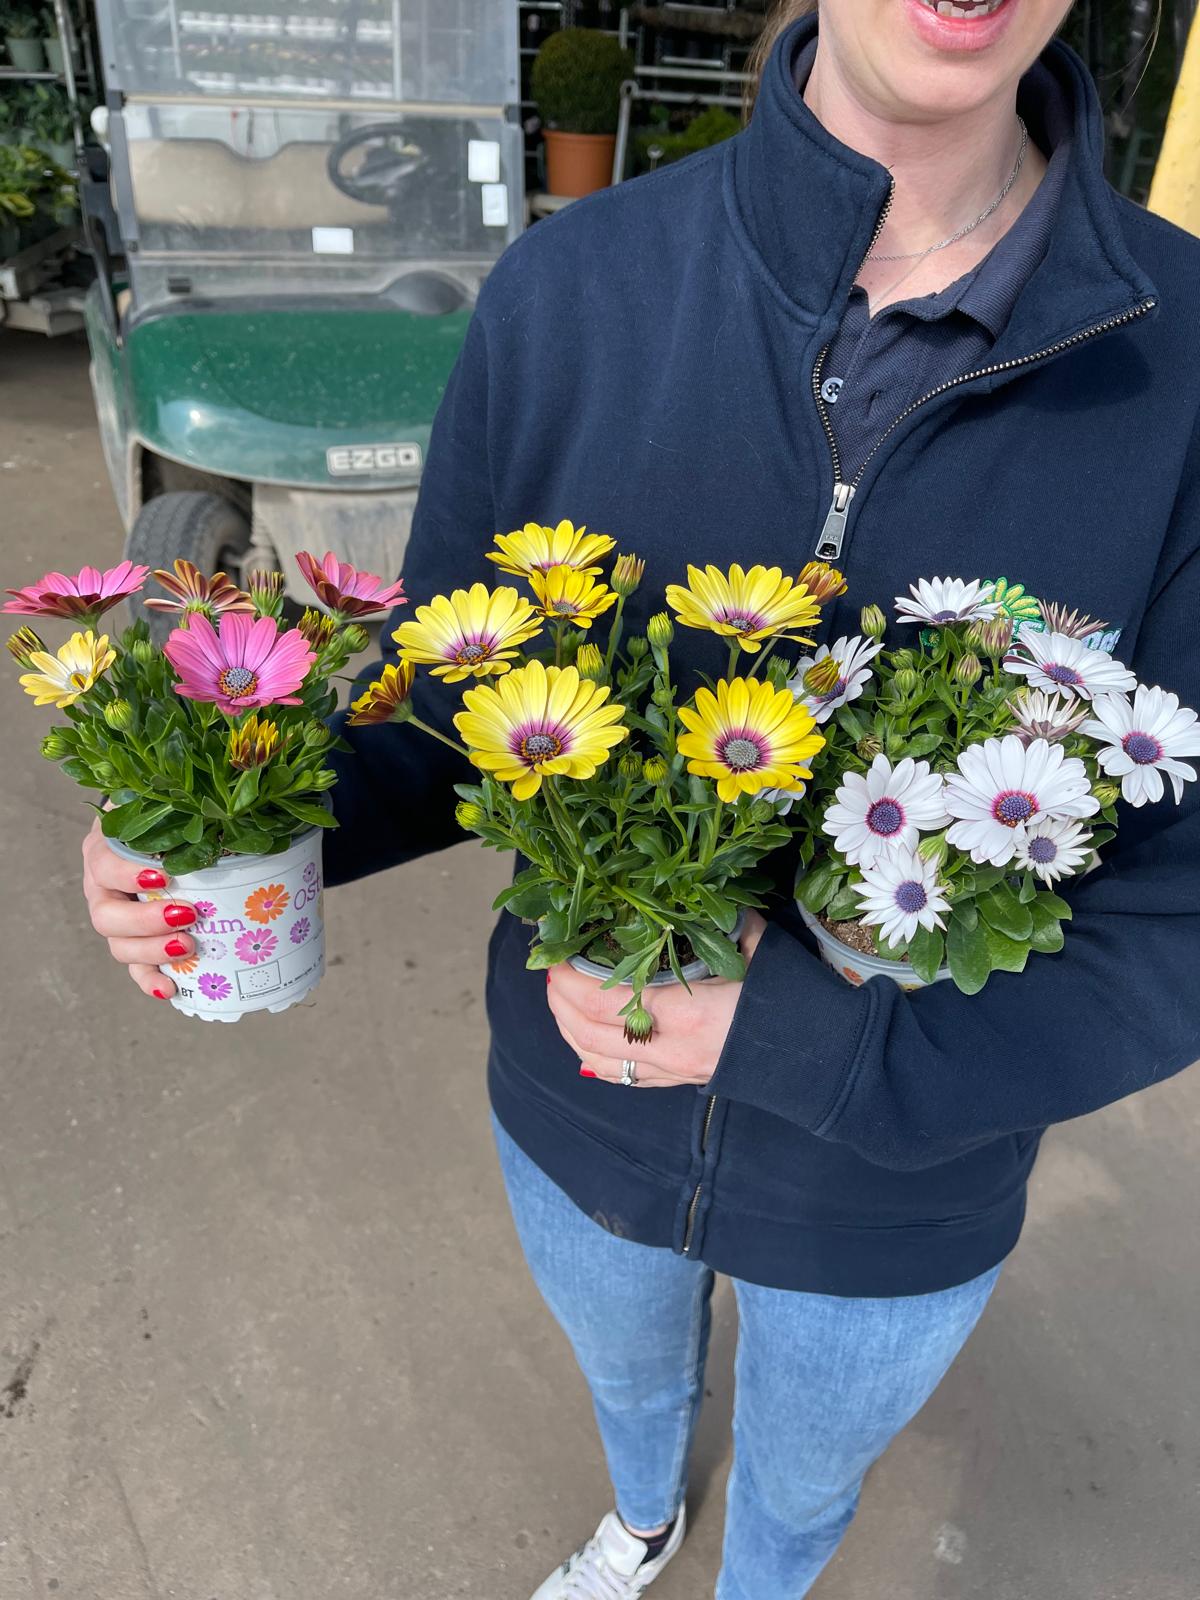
(611, 1566)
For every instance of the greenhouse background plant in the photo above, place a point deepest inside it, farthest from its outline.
(576, 81)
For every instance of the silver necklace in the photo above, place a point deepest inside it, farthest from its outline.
(914, 255)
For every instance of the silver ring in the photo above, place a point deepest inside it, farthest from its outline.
(629, 1074)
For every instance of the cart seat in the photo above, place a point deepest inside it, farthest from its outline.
(202, 183)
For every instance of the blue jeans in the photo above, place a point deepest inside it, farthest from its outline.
(823, 1384)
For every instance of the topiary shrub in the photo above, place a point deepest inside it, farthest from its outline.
(577, 80)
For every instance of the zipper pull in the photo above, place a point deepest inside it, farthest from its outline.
(833, 534)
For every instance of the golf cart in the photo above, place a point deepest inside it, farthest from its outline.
(292, 213)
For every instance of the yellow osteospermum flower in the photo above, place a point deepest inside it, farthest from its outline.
(471, 634)
(747, 606)
(565, 595)
(748, 736)
(62, 678)
(539, 721)
(386, 698)
(253, 742)
(534, 548)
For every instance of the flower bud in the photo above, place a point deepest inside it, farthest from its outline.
(655, 770)
(252, 742)
(662, 696)
(996, 636)
(356, 638)
(822, 581)
(872, 622)
(778, 673)
(639, 1025)
(969, 670)
(316, 627)
(637, 647)
(317, 735)
(974, 637)
(22, 644)
(590, 663)
(626, 575)
(660, 630)
(468, 815)
(55, 747)
(822, 677)
(143, 652)
(119, 715)
(104, 772)
(762, 811)
(868, 747)
(322, 780)
(933, 847)
(266, 591)
(630, 764)
(903, 658)
(1107, 793)
(906, 683)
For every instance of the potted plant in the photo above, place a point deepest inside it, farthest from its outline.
(209, 755)
(21, 28)
(967, 778)
(52, 44)
(48, 120)
(33, 191)
(635, 802)
(576, 82)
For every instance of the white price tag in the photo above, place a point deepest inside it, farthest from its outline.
(483, 161)
(333, 241)
(495, 205)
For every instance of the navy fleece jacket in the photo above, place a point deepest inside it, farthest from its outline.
(643, 364)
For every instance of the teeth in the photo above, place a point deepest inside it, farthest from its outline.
(976, 8)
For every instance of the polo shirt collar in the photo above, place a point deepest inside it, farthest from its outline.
(807, 206)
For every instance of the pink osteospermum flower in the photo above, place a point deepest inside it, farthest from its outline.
(250, 663)
(345, 590)
(192, 592)
(85, 596)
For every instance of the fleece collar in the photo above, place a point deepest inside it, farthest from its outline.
(806, 205)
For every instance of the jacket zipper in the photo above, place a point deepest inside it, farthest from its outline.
(691, 1215)
(833, 531)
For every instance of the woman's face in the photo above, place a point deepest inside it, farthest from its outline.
(916, 61)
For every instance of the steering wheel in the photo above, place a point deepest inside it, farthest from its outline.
(384, 170)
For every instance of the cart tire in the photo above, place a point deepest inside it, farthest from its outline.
(193, 526)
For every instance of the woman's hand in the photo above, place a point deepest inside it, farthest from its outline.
(689, 1029)
(140, 934)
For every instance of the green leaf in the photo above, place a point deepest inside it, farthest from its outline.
(720, 956)
(845, 905)
(246, 840)
(1047, 929)
(144, 815)
(553, 928)
(650, 841)
(968, 954)
(723, 912)
(1006, 955)
(191, 858)
(922, 744)
(308, 811)
(1027, 890)
(926, 952)
(529, 901)
(815, 889)
(1002, 911)
(193, 829)
(1055, 903)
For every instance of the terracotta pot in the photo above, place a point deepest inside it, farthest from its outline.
(578, 163)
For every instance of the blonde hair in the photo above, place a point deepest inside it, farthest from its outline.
(785, 13)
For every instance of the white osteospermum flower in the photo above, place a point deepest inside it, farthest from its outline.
(783, 799)
(884, 811)
(853, 657)
(1003, 789)
(1143, 740)
(900, 893)
(934, 601)
(1054, 848)
(1046, 716)
(1055, 661)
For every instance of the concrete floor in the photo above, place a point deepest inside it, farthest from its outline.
(264, 1330)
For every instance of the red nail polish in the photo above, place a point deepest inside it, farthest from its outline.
(178, 916)
(159, 994)
(175, 948)
(586, 1072)
(151, 878)
(547, 978)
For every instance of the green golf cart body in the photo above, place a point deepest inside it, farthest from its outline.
(307, 198)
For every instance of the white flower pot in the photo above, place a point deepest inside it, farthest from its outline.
(694, 971)
(260, 933)
(856, 967)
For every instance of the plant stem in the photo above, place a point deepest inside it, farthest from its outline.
(452, 744)
(735, 651)
(760, 659)
(614, 635)
(710, 842)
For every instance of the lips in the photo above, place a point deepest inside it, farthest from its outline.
(963, 8)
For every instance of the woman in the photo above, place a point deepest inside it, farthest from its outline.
(901, 321)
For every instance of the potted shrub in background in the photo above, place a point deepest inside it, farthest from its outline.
(48, 120)
(21, 29)
(209, 755)
(576, 83)
(52, 44)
